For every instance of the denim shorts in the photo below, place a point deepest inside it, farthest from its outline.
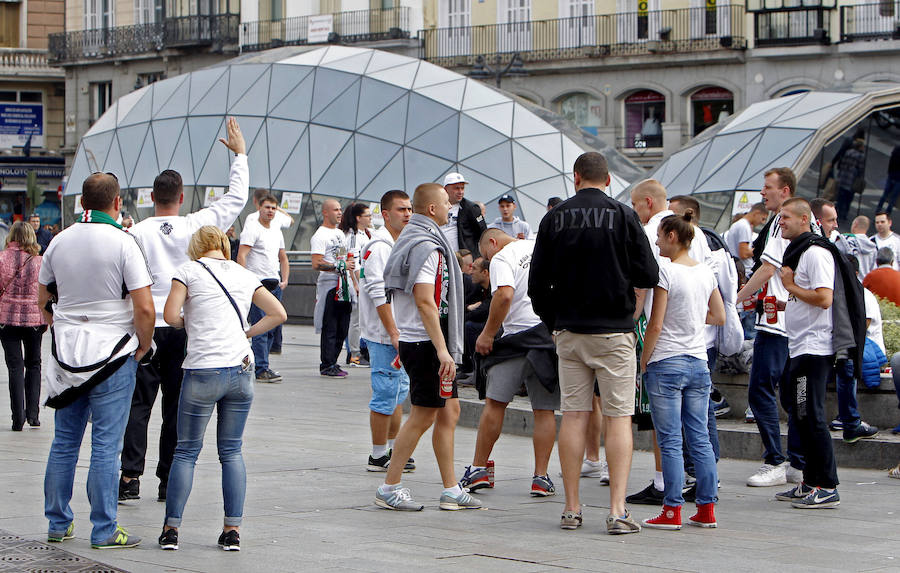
(390, 386)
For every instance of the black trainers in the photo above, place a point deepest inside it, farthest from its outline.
(863, 430)
(379, 464)
(129, 490)
(333, 372)
(647, 496)
(274, 350)
(269, 376)
(230, 541)
(168, 540)
(161, 493)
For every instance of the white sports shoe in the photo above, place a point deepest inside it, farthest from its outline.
(792, 474)
(768, 475)
(591, 469)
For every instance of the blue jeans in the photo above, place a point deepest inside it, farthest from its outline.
(770, 356)
(262, 343)
(108, 405)
(891, 192)
(390, 386)
(231, 391)
(679, 388)
(748, 323)
(848, 407)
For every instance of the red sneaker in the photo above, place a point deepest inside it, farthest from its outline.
(705, 516)
(669, 518)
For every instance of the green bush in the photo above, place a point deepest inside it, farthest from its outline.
(890, 326)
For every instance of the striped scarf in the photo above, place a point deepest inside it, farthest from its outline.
(95, 216)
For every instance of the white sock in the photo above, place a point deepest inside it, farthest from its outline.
(658, 482)
(387, 487)
(592, 463)
(390, 444)
(379, 450)
(455, 490)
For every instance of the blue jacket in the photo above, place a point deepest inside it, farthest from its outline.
(873, 360)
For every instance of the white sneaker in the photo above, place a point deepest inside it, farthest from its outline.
(792, 474)
(768, 475)
(591, 469)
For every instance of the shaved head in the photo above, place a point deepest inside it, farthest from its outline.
(650, 188)
(799, 207)
(648, 198)
(427, 194)
(329, 204)
(492, 240)
(860, 225)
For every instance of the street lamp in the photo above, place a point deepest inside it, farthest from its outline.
(482, 70)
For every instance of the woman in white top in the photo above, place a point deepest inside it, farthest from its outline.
(355, 223)
(215, 294)
(677, 377)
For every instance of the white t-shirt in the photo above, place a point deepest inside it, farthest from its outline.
(355, 241)
(332, 245)
(281, 220)
(92, 262)
(740, 232)
(512, 228)
(893, 241)
(262, 260)
(873, 313)
(684, 326)
(371, 286)
(699, 250)
(406, 313)
(509, 267)
(809, 327)
(215, 336)
(773, 253)
(450, 230)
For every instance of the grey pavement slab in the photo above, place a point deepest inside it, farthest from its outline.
(309, 503)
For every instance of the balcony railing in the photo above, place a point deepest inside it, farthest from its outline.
(24, 61)
(792, 27)
(347, 27)
(217, 31)
(875, 21)
(623, 34)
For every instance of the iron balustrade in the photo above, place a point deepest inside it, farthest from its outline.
(622, 34)
(792, 27)
(217, 31)
(874, 21)
(347, 27)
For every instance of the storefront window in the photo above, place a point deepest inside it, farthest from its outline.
(645, 112)
(709, 106)
(583, 110)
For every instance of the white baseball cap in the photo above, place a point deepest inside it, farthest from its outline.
(452, 178)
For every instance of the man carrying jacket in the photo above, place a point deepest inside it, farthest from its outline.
(465, 222)
(591, 253)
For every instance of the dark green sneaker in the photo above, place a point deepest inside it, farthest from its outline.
(55, 537)
(119, 539)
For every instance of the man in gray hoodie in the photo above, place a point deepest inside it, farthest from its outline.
(424, 284)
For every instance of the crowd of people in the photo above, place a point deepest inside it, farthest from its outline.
(437, 298)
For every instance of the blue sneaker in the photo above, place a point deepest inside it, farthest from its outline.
(896, 429)
(397, 498)
(818, 498)
(475, 478)
(541, 486)
(462, 500)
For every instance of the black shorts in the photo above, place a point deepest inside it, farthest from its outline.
(421, 363)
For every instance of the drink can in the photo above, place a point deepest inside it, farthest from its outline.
(770, 305)
(750, 304)
(396, 362)
(446, 388)
(490, 471)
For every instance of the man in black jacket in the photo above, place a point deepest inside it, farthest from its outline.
(465, 222)
(590, 255)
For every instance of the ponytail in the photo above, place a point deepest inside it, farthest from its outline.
(681, 225)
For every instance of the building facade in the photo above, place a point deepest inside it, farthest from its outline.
(31, 109)
(113, 47)
(649, 75)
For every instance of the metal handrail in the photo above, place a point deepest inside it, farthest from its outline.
(872, 21)
(622, 34)
(348, 27)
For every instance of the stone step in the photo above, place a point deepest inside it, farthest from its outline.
(877, 406)
(736, 439)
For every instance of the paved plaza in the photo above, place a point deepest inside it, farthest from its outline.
(309, 503)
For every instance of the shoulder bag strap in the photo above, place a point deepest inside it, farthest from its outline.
(231, 300)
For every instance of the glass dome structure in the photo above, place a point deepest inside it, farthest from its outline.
(792, 131)
(339, 122)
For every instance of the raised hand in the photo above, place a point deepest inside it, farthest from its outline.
(235, 141)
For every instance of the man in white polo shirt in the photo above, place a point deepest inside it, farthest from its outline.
(102, 326)
(262, 252)
(465, 223)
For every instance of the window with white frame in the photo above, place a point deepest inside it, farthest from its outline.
(576, 26)
(637, 20)
(455, 17)
(148, 11)
(99, 14)
(514, 25)
(101, 99)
